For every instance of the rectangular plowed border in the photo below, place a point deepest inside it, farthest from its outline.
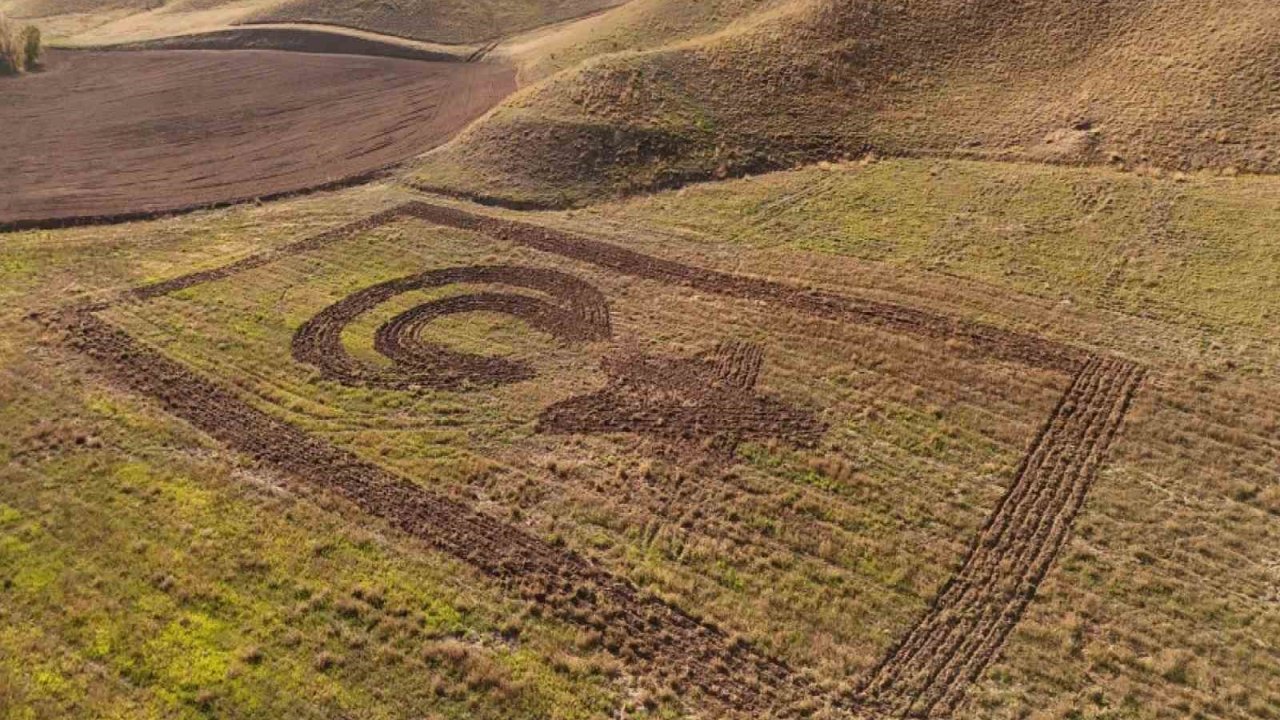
(924, 675)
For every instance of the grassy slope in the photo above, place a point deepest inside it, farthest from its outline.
(1162, 606)
(1194, 250)
(458, 22)
(1174, 84)
(145, 572)
(485, 162)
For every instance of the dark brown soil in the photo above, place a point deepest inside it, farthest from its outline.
(926, 674)
(577, 312)
(110, 135)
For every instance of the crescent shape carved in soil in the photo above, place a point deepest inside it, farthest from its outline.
(575, 312)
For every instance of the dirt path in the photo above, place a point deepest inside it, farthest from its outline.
(925, 675)
(105, 136)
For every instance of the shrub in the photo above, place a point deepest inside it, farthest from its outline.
(31, 47)
(11, 60)
(20, 50)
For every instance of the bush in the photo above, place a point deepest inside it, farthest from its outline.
(12, 61)
(31, 47)
(20, 50)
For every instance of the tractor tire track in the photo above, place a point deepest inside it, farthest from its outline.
(738, 364)
(926, 674)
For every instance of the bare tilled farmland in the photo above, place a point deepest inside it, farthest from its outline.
(110, 136)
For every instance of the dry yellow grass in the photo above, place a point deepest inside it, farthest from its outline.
(147, 567)
(12, 48)
(1178, 85)
(819, 556)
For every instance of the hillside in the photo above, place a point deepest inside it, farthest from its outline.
(1177, 85)
(453, 22)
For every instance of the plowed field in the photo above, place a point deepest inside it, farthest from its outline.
(116, 135)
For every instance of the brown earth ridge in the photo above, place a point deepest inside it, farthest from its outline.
(577, 313)
(323, 40)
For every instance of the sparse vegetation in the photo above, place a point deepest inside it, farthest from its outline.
(20, 48)
(32, 47)
(12, 50)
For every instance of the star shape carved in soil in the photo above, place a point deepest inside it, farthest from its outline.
(708, 400)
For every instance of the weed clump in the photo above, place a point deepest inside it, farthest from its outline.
(20, 49)
(11, 52)
(32, 47)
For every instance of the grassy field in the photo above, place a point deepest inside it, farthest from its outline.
(1164, 603)
(653, 97)
(149, 571)
(1192, 251)
(747, 545)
